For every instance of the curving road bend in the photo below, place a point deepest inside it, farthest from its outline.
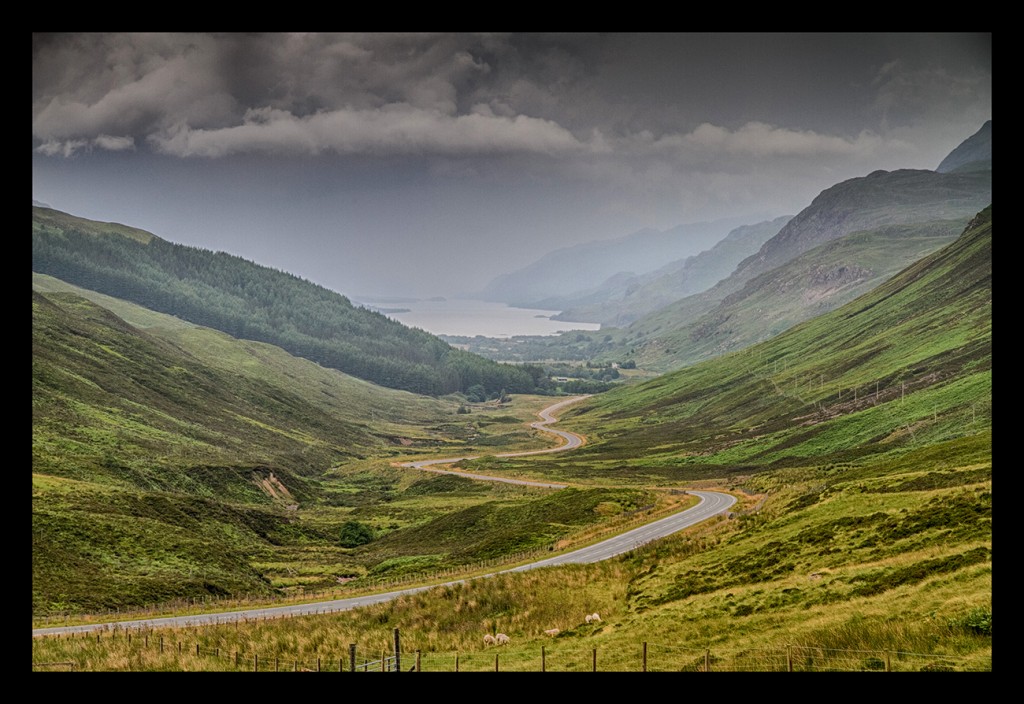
(571, 442)
(711, 504)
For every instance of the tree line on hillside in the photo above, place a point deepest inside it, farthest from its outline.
(253, 302)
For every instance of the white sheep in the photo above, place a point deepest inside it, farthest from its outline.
(501, 639)
(592, 618)
(489, 639)
(552, 632)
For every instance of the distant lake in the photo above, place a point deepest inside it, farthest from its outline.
(470, 318)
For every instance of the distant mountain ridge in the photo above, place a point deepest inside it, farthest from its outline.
(578, 268)
(623, 299)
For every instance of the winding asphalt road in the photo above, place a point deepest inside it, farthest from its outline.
(572, 441)
(711, 504)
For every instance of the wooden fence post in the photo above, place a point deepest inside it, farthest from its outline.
(256, 663)
(495, 662)
(789, 658)
(707, 660)
(318, 663)
(398, 653)
(595, 660)
(351, 657)
(418, 661)
(645, 657)
(543, 664)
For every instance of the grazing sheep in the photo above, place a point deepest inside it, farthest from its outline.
(552, 632)
(489, 639)
(595, 617)
(501, 639)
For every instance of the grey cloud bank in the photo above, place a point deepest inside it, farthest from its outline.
(423, 164)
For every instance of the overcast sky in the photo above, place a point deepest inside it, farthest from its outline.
(427, 164)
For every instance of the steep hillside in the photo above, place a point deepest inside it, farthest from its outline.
(903, 366)
(157, 474)
(974, 154)
(253, 302)
(910, 208)
(173, 461)
(876, 200)
(810, 284)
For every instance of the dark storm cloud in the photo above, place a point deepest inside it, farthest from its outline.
(500, 145)
(212, 96)
(216, 95)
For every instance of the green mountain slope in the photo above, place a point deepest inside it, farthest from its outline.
(252, 302)
(808, 285)
(171, 461)
(164, 460)
(897, 205)
(906, 365)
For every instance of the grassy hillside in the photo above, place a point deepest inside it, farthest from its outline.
(172, 461)
(252, 302)
(861, 540)
(813, 283)
(906, 365)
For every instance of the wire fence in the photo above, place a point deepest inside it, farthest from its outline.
(157, 652)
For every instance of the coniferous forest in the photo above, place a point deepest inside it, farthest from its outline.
(254, 302)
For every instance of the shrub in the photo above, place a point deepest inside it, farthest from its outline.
(978, 621)
(353, 534)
